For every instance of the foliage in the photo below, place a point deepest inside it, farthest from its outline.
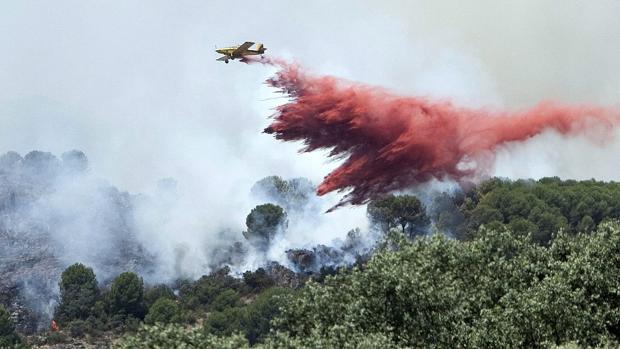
(293, 194)
(56, 338)
(498, 290)
(164, 311)
(175, 336)
(263, 223)
(535, 265)
(152, 294)
(78, 293)
(540, 208)
(126, 296)
(252, 320)
(256, 322)
(226, 299)
(202, 292)
(257, 280)
(8, 337)
(78, 328)
(404, 211)
(225, 322)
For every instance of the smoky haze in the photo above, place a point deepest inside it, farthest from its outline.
(135, 85)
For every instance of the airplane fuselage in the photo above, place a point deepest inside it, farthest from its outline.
(234, 52)
(229, 51)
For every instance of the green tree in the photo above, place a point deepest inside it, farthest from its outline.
(497, 290)
(257, 280)
(226, 299)
(126, 296)
(263, 222)
(164, 311)
(225, 322)
(8, 337)
(586, 224)
(152, 294)
(258, 315)
(78, 293)
(405, 212)
(176, 336)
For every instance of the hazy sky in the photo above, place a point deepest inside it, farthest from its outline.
(136, 86)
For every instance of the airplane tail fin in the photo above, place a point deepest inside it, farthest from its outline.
(260, 47)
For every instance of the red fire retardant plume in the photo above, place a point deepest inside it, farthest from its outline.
(391, 142)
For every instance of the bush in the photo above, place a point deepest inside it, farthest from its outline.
(152, 294)
(256, 322)
(8, 337)
(224, 323)
(257, 280)
(126, 296)
(205, 290)
(164, 311)
(56, 338)
(174, 336)
(226, 299)
(498, 290)
(78, 293)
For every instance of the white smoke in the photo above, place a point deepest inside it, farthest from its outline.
(135, 85)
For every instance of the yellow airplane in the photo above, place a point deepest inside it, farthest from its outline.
(230, 53)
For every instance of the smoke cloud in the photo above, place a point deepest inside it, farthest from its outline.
(392, 142)
(135, 85)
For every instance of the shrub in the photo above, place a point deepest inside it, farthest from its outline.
(78, 328)
(152, 294)
(56, 338)
(498, 290)
(256, 322)
(126, 296)
(78, 293)
(8, 337)
(174, 336)
(224, 323)
(226, 299)
(164, 311)
(257, 280)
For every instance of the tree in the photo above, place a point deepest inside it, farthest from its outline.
(78, 293)
(74, 161)
(8, 337)
(225, 322)
(263, 222)
(176, 336)
(164, 311)
(294, 194)
(405, 212)
(226, 299)
(497, 290)
(257, 280)
(126, 296)
(586, 224)
(258, 315)
(152, 294)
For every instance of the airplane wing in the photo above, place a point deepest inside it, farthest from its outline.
(223, 58)
(246, 45)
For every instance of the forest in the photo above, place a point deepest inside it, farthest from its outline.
(505, 264)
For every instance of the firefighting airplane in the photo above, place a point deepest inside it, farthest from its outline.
(231, 53)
